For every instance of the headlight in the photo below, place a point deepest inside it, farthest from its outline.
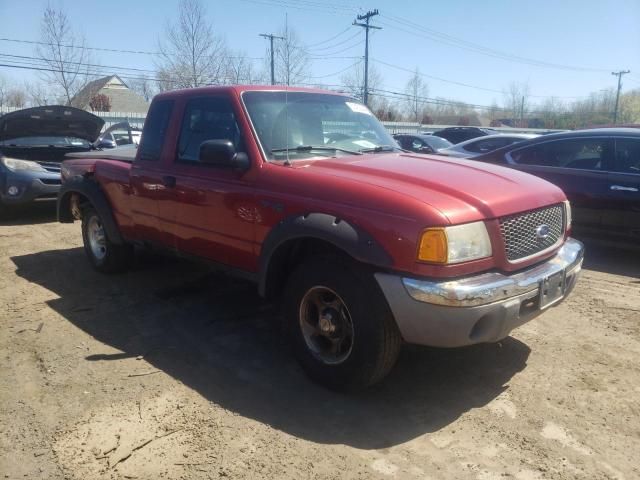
(456, 244)
(567, 214)
(15, 165)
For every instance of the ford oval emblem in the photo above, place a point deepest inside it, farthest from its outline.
(543, 231)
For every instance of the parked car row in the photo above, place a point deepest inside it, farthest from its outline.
(426, 143)
(599, 171)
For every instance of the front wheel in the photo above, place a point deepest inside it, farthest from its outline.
(104, 255)
(342, 331)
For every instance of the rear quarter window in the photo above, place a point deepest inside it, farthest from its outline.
(155, 129)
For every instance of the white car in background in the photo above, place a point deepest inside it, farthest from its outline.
(480, 145)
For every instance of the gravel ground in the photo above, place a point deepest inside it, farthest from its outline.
(170, 371)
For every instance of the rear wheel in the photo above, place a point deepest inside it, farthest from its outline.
(341, 329)
(104, 255)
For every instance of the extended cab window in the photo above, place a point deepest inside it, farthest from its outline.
(210, 118)
(627, 156)
(155, 128)
(585, 154)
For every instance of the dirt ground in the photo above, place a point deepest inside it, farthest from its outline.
(170, 371)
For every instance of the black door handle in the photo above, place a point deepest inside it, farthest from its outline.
(169, 181)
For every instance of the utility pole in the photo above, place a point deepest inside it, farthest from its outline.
(619, 75)
(366, 26)
(271, 37)
(522, 113)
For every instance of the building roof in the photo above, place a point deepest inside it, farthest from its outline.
(122, 98)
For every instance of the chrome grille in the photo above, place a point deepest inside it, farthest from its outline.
(522, 233)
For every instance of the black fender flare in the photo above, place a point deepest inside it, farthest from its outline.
(90, 189)
(346, 236)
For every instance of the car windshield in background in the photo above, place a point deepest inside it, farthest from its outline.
(63, 142)
(437, 142)
(300, 125)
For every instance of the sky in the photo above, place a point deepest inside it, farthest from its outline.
(467, 50)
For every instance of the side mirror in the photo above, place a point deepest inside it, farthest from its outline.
(222, 153)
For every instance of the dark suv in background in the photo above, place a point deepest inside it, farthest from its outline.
(33, 143)
(460, 134)
(599, 171)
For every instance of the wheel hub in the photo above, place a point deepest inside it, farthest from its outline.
(326, 325)
(326, 322)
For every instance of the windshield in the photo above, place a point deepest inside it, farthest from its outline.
(336, 125)
(437, 142)
(67, 142)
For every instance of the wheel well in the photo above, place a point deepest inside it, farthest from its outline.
(291, 253)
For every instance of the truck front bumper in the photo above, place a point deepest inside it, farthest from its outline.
(481, 308)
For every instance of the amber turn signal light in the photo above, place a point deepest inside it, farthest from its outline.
(433, 246)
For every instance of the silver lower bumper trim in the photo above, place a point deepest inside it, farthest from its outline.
(492, 287)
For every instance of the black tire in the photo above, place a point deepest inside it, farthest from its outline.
(376, 340)
(112, 257)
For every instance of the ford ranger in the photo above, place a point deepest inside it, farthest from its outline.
(305, 193)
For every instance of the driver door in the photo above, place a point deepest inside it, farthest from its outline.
(212, 206)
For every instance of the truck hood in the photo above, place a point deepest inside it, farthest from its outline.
(461, 190)
(50, 121)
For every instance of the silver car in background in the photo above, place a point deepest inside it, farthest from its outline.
(481, 145)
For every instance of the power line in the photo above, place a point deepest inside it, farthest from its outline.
(339, 71)
(453, 41)
(46, 60)
(305, 6)
(330, 39)
(331, 47)
(170, 80)
(345, 49)
(454, 82)
(111, 50)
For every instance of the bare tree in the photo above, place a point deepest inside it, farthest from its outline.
(550, 111)
(516, 100)
(630, 107)
(191, 55)
(143, 87)
(3, 91)
(63, 52)
(353, 82)
(16, 97)
(291, 58)
(416, 91)
(38, 94)
(240, 69)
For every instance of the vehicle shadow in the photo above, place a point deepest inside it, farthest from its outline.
(611, 258)
(40, 212)
(215, 335)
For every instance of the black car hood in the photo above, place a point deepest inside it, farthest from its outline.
(50, 121)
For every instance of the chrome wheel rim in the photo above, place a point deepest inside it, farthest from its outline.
(97, 240)
(326, 325)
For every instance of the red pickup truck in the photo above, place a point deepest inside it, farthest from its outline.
(304, 192)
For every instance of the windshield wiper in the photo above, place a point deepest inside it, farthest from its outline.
(308, 148)
(379, 148)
